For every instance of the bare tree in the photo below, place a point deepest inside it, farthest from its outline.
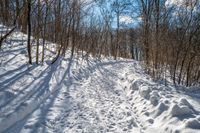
(29, 31)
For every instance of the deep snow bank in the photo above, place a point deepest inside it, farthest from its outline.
(164, 109)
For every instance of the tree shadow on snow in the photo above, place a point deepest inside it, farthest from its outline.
(42, 85)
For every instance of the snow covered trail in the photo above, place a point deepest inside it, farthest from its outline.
(71, 95)
(92, 100)
(77, 95)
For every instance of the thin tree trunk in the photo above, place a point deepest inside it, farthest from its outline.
(29, 31)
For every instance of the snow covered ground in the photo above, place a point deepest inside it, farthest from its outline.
(88, 96)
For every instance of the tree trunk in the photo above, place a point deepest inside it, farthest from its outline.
(29, 31)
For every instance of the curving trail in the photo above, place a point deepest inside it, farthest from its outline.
(78, 95)
(91, 98)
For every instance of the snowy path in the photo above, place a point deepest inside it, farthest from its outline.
(88, 96)
(95, 103)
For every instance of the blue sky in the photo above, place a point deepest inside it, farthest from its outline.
(128, 17)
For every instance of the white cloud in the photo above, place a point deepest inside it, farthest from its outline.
(174, 2)
(181, 3)
(125, 19)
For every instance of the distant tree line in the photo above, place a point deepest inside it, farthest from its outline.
(166, 38)
(171, 40)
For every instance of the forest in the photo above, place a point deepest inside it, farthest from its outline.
(99, 66)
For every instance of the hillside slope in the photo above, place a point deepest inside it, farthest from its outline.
(91, 96)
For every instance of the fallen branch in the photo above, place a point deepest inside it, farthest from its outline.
(6, 35)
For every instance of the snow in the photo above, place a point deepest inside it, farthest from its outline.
(154, 98)
(180, 110)
(145, 92)
(136, 84)
(193, 123)
(88, 95)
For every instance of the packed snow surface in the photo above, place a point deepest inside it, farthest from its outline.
(88, 95)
